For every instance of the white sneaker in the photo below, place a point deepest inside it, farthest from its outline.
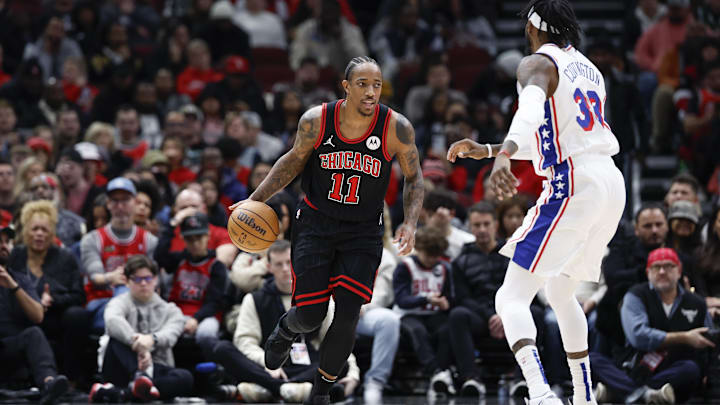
(251, 392)
(548, 398)
(373, 392)
(664, 395)
(295, 392)
(442, 382)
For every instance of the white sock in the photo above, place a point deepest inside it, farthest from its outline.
(532, 369)
(582, 385)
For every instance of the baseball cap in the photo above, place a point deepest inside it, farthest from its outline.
(237, 65)
(154, 157)
(221, 10)
(662, 254)
(191, 109)
(196, 224)
(72, 155)
(7, 230)
(37, 143)
(121, 183)
(88, 151)
(686, 210)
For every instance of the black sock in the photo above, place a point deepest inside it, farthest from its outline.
(321, 385)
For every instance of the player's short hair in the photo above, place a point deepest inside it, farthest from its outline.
(687, 178)
(138, 262)
(279, 246)
(559, 15)
(650, 206)
(483, 207)
(431, 241)
(359, 60)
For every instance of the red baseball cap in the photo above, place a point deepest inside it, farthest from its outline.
(36, 143)
(237, 65)
(662, 254)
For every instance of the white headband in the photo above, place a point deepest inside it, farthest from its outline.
(538, 23)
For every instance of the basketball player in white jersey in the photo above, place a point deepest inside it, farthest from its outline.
(559, 125)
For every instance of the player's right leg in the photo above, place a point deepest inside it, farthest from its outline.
(312, 254)
(512, 303)
(560, 293)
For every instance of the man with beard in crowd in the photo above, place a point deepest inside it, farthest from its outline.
(624, 266)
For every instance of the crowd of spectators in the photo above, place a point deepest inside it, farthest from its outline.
(129, 126)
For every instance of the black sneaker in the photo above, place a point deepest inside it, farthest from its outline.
(54, 389)
(318, 400)
(473, 388)
(337, 393)
(277, 346)
(106, 393)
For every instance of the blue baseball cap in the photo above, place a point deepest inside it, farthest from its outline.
(121, 183)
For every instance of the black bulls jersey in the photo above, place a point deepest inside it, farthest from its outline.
(345, 178)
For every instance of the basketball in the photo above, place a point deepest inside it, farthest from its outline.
(253, 226)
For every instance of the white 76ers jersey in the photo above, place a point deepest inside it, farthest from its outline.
(573, 123)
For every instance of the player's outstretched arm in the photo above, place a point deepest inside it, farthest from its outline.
(467, 148)
(402, 146)
(291, 163)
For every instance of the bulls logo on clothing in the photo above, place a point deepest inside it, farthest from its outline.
(690, 314)
(373, 143)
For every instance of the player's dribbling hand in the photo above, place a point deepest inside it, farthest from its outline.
(237, 204)
(405, 238)
(502, 180)
(466, 148)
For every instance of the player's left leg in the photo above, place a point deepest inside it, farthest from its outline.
(560, 293)
(338, 343)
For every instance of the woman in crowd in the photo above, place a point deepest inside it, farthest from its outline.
(58, 282)
(510, 214)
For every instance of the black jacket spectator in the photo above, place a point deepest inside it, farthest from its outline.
(477, 277)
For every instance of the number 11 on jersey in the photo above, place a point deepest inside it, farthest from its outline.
(353, 193)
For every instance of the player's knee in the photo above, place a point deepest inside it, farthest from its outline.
(558, 294)
(500, 299)
(310, 317)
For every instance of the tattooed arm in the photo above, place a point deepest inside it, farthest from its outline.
(402, 145)
(292, 163)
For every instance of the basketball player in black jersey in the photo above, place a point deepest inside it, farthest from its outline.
(344, 151)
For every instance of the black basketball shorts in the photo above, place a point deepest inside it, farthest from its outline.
(328, 253)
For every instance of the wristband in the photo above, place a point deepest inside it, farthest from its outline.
(489, 148)
(14, 290)
(503, 152)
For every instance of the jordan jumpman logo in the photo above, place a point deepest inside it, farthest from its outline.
(329, 141)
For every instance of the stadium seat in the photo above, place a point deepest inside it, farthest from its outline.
(270, 75)
(269, 57)
(459, 56)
